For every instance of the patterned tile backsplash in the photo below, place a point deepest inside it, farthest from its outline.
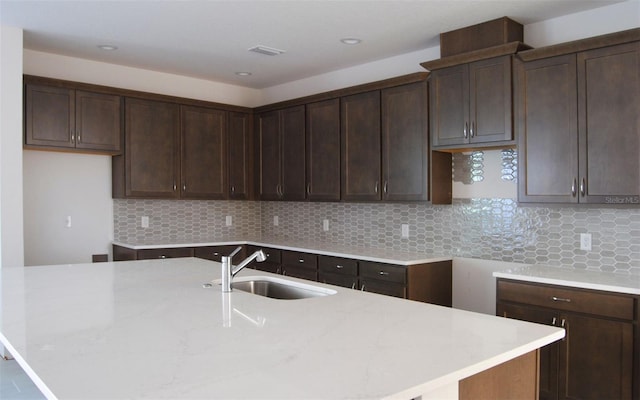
(496, 229)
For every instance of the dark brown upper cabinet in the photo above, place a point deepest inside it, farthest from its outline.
(323, 150)
(361, 146)
(405, 143)
(471, 104)
(203, 154)
(240, 145)
(151, 167)
(578, 130)
(61, 118)
(282, 154)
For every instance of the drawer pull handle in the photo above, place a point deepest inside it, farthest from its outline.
(301, 260)
(362, 288)
(554, 298)
(353, 285)
(163, 256)
(384, 273)
(553, 321)
(339, 266)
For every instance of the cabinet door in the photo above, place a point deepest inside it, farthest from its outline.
(383, 287)
(150, 254)
(405, 139)
(547, 130)
(548, 354)
(215, 253)
(270, 163)
(596, 359)
(49, 116)
(292, 124)
(609, 124)
(239, 156)
(98, 121)
(323, 150)
(360, 150)
(151, 148)
(490, 100)
(450, 106)
(203, 153)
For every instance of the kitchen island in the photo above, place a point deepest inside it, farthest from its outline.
(149, 329)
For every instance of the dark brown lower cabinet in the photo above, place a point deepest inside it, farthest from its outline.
(150, 254)
(338, 271)
(598, 358)
(300, 265)
(215, 253)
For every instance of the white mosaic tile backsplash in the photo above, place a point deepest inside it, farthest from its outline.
(496, 229)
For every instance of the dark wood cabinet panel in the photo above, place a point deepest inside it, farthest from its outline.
(149, 254)
(449, 106)
(152, 130)
(490, 100)
(215, 253)
(609, 124)
(323, 150)
(599, 354)
(383, 287)
(98, 121)
(66, 119)
(361, 146)
(293, 178)
(472, 104)
(282, 158)
(579, 136)
(203, 154)
(405, 143)
(346, 281)
(547, 124)
(549, 356)
(49, 116)
(240, 159)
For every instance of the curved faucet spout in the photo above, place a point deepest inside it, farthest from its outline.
(229, 271)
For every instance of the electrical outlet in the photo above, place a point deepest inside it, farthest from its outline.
(405, 230)
(229, 220)
(325, 225)
(68, 223)
(276, 221)
(144, 222)
(585, 241)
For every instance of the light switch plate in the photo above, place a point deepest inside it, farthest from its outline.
(585, 241)
(405, 230)
(276, 221)
(229, 220)
(144, 221)
(325, 225)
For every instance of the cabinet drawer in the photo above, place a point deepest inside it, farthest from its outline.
(381, 287)
(148, 254)
(305, 260)
(302, 272)
(347, 281)
(383, 272)
(215, 253)
(337, 265)
(273, 255)
(568, 299)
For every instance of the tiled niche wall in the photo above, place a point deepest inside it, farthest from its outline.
(180, 221)
(494, 229)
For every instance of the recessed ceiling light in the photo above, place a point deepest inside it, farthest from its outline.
(266, 50)
(107, 47)
(351, 41)
(243, 73)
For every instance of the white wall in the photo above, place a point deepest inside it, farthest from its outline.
(61, 185)
(11, 234)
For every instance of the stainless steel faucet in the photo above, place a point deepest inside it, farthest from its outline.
(229, 271)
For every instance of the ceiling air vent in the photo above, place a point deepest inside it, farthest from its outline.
(270, 51)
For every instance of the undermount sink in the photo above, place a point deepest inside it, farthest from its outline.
(276, 288)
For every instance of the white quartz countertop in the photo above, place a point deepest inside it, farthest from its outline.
(149, 329)
(596, 280)
(382, 255)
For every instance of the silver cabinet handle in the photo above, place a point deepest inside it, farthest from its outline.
(375, 189)
(73, 137)
(339, 266)
(77, 137)
(583, 187)
(362, 288)
(184, 187)
(466, 130)
(573, 187)
(553, 321)
(472, 126)
(308, 188)
(353, 285)
(301, 261)
(216, 253)
(386, 185)
(554, 298)
(383, 273)
(233, 189)
(163, 256)
(174, 186)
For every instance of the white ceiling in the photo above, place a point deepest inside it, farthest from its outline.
(209, 39)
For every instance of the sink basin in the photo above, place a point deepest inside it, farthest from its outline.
(276, 288)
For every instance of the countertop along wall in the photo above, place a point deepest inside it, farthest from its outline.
(607, 19)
